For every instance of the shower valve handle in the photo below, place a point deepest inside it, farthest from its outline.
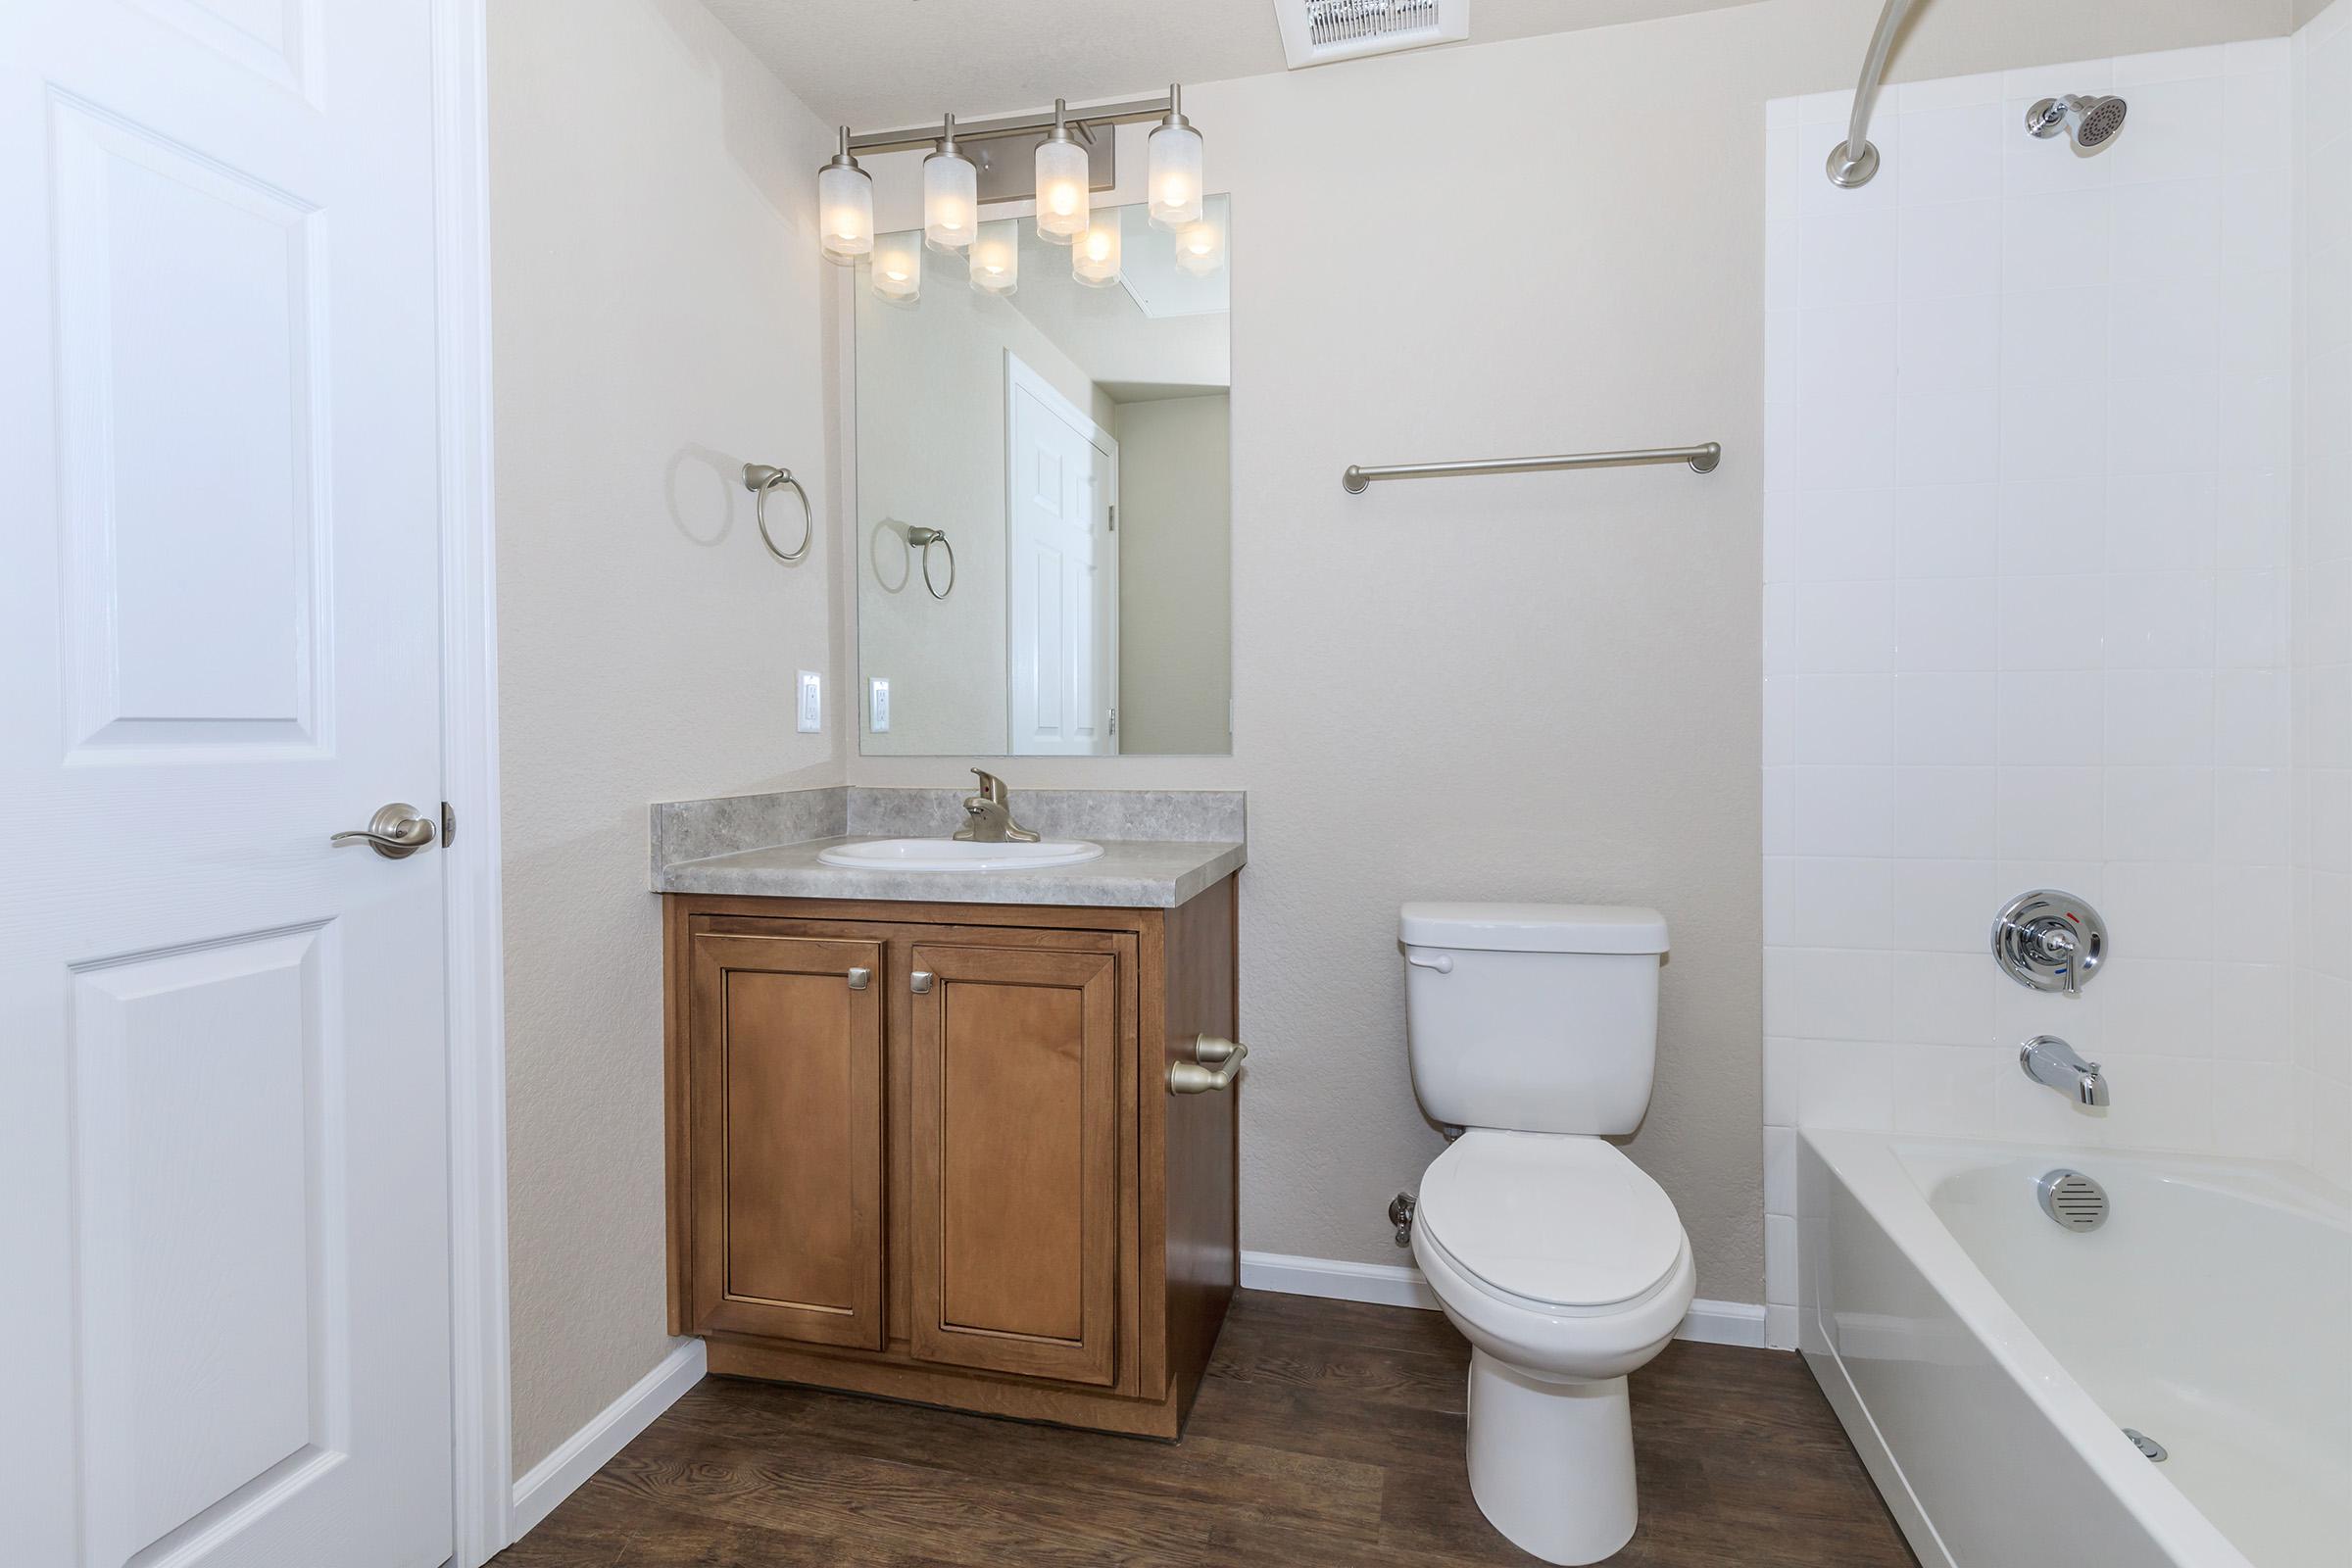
(2049, 941)
(2058, 947)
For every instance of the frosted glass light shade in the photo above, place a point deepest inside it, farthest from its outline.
(1174, 185)
(845, 208)
(997, 257)
(1094, 257)
(1061, 197)
(1200, 247)
(899, 268)
(951, 201)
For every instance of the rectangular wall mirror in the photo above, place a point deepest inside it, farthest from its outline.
(1044, 493)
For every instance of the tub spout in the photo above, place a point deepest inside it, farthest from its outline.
(2050, 1060)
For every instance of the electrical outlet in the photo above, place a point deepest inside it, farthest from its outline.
(877, 702)
(813, 703)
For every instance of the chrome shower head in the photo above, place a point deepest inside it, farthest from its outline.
(2090, 122)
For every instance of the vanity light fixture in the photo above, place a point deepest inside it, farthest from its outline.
(951, 195)
(844, 206)
(1174, 182)
(997, 257)
(1174, 195)
(1200, 247)
(1063, 176)
(1094, 258)
(899, 268)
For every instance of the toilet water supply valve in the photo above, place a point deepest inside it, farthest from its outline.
(1400, 1216)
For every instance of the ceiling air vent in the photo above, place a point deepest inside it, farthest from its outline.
(1316, 33)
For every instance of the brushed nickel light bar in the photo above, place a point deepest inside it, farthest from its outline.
(1054, 159)
(1129, 111)
(1702, 460)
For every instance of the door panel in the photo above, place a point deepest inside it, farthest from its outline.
(1063, 573)
(186, 310)
(205, 1106)
(1015, 1123)
(787, 1071)
(224, 1086)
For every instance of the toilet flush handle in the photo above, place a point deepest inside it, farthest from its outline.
(1443, 962)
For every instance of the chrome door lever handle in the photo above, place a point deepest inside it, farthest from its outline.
(396, 832)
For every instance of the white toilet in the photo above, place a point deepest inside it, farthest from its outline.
(1533, 1028)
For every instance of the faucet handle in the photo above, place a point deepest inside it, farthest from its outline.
(2046, 940)
(991, 786)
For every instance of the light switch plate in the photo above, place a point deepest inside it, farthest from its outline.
(877, 701)
(813, 703)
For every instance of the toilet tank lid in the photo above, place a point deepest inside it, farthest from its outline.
(1535, 927)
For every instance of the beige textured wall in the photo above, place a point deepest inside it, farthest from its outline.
(657, 325)
(1175, 575)
(1530, 687)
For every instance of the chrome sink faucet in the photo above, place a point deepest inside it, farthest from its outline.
(2048, 1059)
(989, 816)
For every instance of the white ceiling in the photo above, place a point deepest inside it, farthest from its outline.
(881, 64)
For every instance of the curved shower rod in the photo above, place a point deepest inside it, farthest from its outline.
(1854, 159)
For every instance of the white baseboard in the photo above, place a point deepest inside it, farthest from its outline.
(1396, 1285)
(1383, 1284)
(583, 1454)
(1740, 1323)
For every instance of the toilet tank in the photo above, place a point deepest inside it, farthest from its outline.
(1536, 1017)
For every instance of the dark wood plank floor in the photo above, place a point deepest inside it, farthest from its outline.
(1326, 1432)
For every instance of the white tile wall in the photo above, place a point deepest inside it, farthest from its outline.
(2321, 820)
(2054, 597)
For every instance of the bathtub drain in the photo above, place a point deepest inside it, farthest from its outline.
(2072, 1200)
(2155, 1452)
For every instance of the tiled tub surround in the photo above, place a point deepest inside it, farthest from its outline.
(2029, 555)
(1159, 847)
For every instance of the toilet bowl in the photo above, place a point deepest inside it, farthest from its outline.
(1566, 1269)
(1533, 1028)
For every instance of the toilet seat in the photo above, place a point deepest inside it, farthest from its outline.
(1556, 1224)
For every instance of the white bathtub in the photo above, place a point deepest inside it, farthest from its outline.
(1985, 1359)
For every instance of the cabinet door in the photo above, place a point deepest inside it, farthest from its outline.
(786, 1041)
(1016, 1185)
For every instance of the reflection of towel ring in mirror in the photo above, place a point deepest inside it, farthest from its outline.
(759, 478)
(923, 539)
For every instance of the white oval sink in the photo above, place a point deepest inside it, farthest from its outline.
(953, 854)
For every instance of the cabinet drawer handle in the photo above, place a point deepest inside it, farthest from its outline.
(1215, 1062)
(919, 982)
(859, 978)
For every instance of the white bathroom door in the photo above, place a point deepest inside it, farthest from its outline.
(224, 1060)
(1061, 572)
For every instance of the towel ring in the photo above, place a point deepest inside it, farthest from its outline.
(924, 539)
(759, 478)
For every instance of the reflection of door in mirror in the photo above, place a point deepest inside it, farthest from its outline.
(1063, 572)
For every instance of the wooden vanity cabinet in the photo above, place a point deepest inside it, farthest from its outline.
(929, 1151)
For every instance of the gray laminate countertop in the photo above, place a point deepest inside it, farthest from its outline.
(1129, 874)
(1159, 847)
